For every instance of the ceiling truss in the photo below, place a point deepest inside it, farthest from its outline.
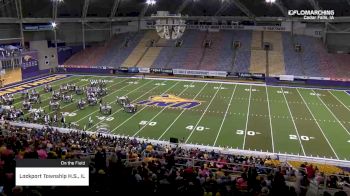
(314, 4)
(113, 12)
(182, 6)
(115, 8)
(282, 8)
(85, 8)
(144, 10)
(224, 6)
(243, 8)
(9, 20)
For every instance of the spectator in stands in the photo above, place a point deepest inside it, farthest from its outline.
(310, 171)
(153, 169)
(304, 184)
(326, 193)
(219, 174)
(340, 193)
(319, 178)
(241, 182)
(332, 181)
(252, 178)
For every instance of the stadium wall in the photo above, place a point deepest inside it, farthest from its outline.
(130, 27)
(63, 54)
(12, 75)
(273, 81)
(47, 57)
(89, 70)
(30, 72)
(70, 33)
(338, 42)
(38, 35)
(312, 82)
(30, 65)
(9, 31)
(314, 30)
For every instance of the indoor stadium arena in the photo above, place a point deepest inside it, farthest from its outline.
(175, 97)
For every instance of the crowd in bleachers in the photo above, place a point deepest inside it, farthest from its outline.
(132, 167)
(8, 51)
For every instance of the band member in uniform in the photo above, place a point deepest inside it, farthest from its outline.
(63, 121)
(90, 121)
(55, 119)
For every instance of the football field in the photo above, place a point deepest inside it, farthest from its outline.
(256, 117)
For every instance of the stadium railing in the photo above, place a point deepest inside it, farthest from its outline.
(331, 186)
(281, 157)
(341, 182)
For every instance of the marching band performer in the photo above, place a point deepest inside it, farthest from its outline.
(90, 121)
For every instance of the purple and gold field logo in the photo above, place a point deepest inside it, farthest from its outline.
(170, 101)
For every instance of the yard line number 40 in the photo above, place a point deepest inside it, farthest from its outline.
(196, 128)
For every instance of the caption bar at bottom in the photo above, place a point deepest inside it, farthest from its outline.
(51, 173)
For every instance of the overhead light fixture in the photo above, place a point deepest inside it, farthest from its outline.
(151, 2)
(270, 1)
(54, 25)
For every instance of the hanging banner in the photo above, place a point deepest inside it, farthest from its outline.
(123, 69)
(161, 70)
(199, 72)
(144, 70)
(251, 75)
(133, 70)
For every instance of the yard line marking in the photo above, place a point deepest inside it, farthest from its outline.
(223, 120)
(295, 127)
(142, 108)
(246, 122)
(159, 113)
(58, 83)
(203, 114)
(122, 108)
(107, 96)
(268, 104)
(333, 114)
(318, 123)
(217, 82)
(78, 100)
(339, 100)
(180, 114)
(49, 104)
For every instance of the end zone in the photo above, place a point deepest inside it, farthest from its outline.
(31, 84)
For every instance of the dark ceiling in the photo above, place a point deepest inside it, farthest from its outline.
(102, 8)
